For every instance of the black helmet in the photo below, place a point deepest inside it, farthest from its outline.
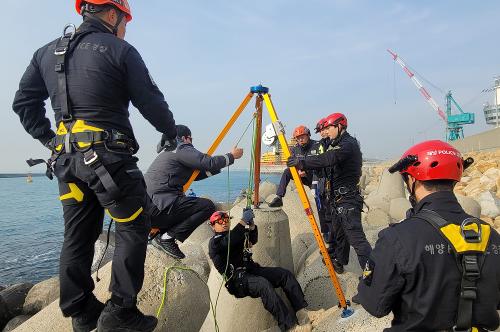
(183, 130)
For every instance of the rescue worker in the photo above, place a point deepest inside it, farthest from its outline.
(321, 191)
(91, 75)
(232, 257)
(434, 270)
(305, 145)
(344, 157)
(175, 214)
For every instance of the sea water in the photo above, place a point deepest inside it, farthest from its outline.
(32, 226)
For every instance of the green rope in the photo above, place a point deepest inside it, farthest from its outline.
(249, 203)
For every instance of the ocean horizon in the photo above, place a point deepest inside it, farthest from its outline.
(32, 221)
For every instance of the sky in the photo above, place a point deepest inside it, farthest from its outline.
(317, 57)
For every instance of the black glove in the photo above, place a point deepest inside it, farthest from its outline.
(247, 216)
(50, 144)
(167, 144)
(297, 162)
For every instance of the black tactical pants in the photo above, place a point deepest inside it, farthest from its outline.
(181, 219)
(325, 217)
(285, 179)
(348, 230)
(261, 282)
(84, 201)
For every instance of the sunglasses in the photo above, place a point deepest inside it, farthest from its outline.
(222, 220)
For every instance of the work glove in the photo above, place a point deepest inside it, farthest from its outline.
(50, 144)
(247, 216)
(294, 161)
(167, 144)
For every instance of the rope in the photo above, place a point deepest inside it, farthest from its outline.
(245, 131)
(224, 276)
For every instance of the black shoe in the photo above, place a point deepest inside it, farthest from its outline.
(86, 320)
(339, 268)
(355, 299)
(115, 318)
(276, 202)
(170, 247)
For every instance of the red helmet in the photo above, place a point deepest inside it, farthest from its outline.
(301, 130)
(319, 125)
(219, 217)
(120, 4)
(432, 160)
(335, 119)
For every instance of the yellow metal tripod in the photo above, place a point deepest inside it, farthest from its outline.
(262, 94)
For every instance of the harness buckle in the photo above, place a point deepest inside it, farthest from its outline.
(470, 235)
(60, 51)
(469, 293)
(90, 159)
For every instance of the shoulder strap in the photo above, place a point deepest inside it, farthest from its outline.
(469, 257)
(61, 50)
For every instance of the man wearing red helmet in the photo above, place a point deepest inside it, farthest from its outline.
(305, 145)
(439, 269)
(343, 157)
(320, 189)
(230, 252)
(91, 75)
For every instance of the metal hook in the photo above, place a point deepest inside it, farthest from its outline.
(65, 31)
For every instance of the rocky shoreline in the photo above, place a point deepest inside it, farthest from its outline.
(285, 240)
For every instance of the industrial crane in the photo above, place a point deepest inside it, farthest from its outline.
(454, 122)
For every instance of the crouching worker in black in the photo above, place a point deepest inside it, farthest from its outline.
(247, 278)
(175, 214)
(439, 269)
(305, 145)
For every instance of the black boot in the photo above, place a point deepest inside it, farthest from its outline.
(169, 246)
(276, 202)
(119, 319)
(86, 320)
(339, 268)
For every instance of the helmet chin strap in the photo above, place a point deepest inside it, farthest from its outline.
(411, 190)
(335, 141)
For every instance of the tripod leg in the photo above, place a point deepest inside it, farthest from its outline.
(257, 152)
(221, 135)
(305, 200)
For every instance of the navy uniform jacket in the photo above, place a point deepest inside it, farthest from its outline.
(345, 160)
(412, 272)
(170, 171)
(218, 245)
(104, 73)
(309, 149)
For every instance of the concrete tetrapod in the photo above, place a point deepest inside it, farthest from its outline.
(295, 211)
(272, 249)
(186, 304)
(391, 186)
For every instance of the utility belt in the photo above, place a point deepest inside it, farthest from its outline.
(81, 136)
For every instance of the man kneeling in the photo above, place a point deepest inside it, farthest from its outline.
(247, 278)
(175, 214)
